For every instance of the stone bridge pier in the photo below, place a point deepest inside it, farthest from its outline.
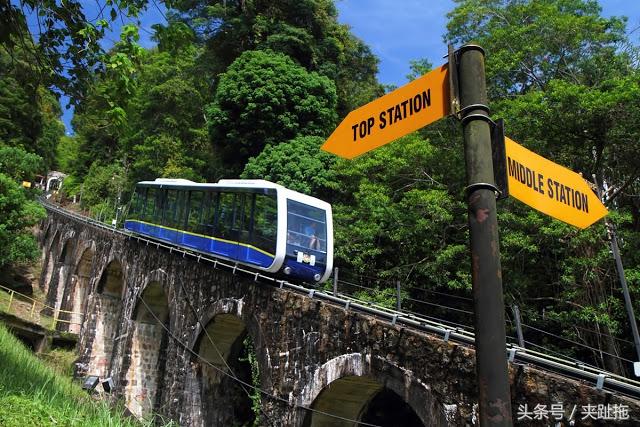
(204, 347)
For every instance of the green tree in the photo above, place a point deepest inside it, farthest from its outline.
(535, 41)
(18, 211)
(18, 164)
(264, 98)
(297, 164)
(396, 218)
(307, 31)
(68, 48)
(29, 113)
(17, 215)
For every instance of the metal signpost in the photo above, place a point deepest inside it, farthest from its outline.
(494, 397)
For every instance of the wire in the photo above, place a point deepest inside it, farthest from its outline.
(441, 306)
(439, 320)
(577, 343)
(594, 332)
(223, 372)
(440, 293)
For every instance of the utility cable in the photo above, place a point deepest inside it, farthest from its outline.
(441, 306)
(440, 293)
(577, 343)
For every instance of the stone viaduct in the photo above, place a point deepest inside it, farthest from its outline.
(187, 341)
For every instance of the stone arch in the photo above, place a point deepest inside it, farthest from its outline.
(149, 319)
(79, 284)
(50, 250)
(66, 253)
(62, 263)
(108, 308)
(222, 348)
(353, 388)
(45, 230)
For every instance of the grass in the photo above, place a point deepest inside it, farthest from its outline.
(60, 360)
(33, 394)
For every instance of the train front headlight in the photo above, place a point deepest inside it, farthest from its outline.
(287, 270)
(317, 277)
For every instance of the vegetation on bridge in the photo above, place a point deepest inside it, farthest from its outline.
(250, 88)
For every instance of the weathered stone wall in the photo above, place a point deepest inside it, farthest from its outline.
(302, 347)
(141, 377)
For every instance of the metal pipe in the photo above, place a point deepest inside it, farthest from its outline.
(491, 362)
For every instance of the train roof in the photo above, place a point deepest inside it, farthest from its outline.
(228, 183)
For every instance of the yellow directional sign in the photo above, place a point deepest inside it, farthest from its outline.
(393, 115)
(550, 188)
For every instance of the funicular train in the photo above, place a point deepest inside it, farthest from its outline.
(253, 222)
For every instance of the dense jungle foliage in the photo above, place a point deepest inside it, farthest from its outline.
(251, 88)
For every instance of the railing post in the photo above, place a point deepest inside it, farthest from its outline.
(55, 320)
(335, 281)
(10, 301)
(516, 316)
(398, 298)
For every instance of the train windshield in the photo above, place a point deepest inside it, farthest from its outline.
(306, 230)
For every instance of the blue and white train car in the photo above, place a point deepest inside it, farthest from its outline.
(253, 222)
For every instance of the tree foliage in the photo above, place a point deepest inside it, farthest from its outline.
(264, 98)
(297, 164)
(565, 80)
(307, 31)
(18, 211)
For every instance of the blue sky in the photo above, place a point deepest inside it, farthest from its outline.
(396, 31)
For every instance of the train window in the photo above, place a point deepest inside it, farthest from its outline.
(161, 200)
(179, 218)
(169, 207)
(210, 213)
(224, 216)
(150, 205)
(138, 202)
(265, 222)
(134, 205)
(195, 208)
(306, 226)
(242, 215)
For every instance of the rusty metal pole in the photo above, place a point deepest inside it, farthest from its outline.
(491, 363)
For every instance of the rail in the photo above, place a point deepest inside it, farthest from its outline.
(31, 306)
(599, 378)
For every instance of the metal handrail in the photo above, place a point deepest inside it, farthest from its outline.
(34, 302)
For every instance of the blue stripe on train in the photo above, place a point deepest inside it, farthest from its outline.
(204, 244)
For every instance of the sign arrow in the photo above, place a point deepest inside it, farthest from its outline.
(550, 188)
(398, 113)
